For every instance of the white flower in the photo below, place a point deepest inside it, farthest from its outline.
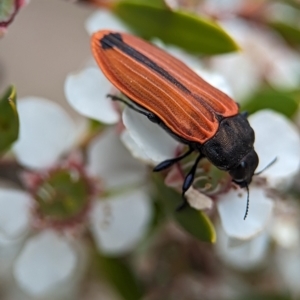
(117, 222)
(263, 55)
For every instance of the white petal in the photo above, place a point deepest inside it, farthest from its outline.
(132, 146)
(244, 256)
(242, 69)
(285, 71)
(119, 223)
(276, 136)
(150, 138)
(264, 54)
(46, 261)
(8, 255)
(232, 206)
(103, 19)
(87, 93)
(198, 200)
(46, 132)
(111, 161)
(14, 213)
(225, 6)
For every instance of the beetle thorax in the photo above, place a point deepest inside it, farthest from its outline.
(232, 142)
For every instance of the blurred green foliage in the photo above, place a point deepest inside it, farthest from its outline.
(289, 32)
(191, 32)
(9, 120)
(119, 275)
(282, 101)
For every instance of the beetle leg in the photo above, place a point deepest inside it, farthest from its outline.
(169, 162)
(153, 118)
(188, 181)
(116, 98)
(182, 205)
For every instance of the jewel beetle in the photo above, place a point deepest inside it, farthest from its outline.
(173, 96)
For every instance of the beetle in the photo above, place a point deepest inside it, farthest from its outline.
(173, 96)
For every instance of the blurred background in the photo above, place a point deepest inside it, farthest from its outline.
(52, 39)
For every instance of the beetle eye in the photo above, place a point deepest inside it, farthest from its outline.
(242, 174)
(239, 173)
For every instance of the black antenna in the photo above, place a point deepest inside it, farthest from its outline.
(247, 187)
(247, 207)
(267, 166)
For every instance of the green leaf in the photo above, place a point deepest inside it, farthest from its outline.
(197, 224)
(154, 3)
(285, 102)
(183, 29)
(9, 120)
(118, 274)
(95, 126)
(290, 33)
(193, 221)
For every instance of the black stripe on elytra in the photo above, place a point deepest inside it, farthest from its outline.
(115, 40)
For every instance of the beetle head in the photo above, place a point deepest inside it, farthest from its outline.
(242, 174)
